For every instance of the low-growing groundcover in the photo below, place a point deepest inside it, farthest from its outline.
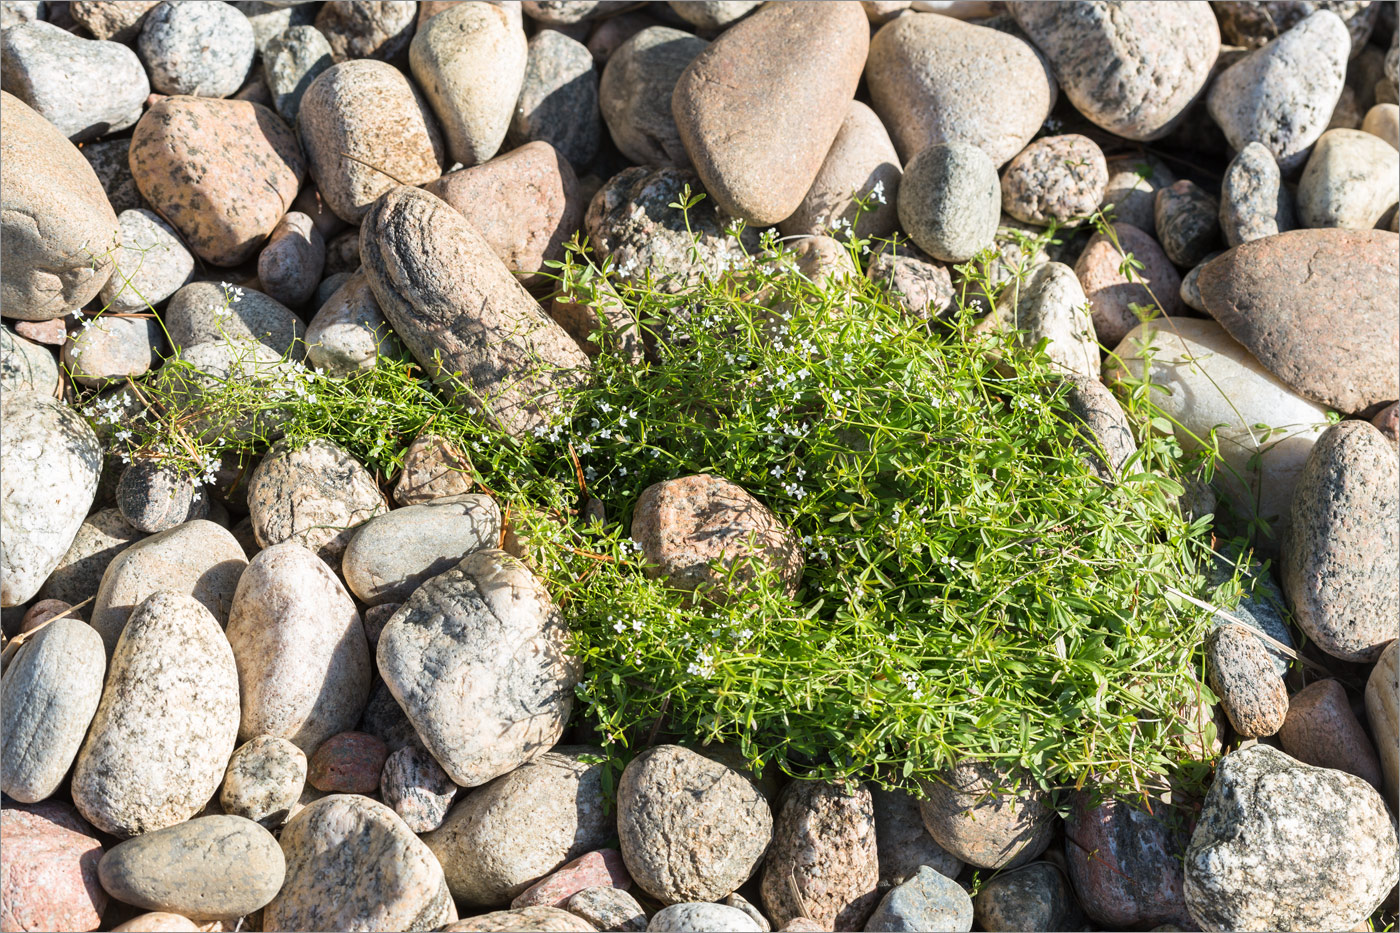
(971, 588)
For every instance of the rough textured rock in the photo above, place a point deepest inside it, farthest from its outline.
(917, 284)
(26, 366)
(700, 917)
(414, 784)
(861, 163)
(289, 266)
(558, 102)
(1056, 178)
(568, 12)
(525, 203)
(221, 171)
(1383, 714)
(367, 28)
(1283, 94)
(545, 919)
(151, 263)
(57, 223)
(271, 19)
(1187, 224)
(904, 845)
(470, 62)
(108, 159)
(1051, 305)
(1338, 566)
(634, 94)
(458, 309)
(101, 537)
(1265, 853)
(1322, 730)
(166, 724)
(48, 869)
(1242, 675)
(950, 201)
(291, 60)
(106, 19)
(1261, 608)
(50, 461)
(349, 333)
(392, 555)
(85, 88)
(1125, 863)
(696, 845)
(211, 868)
(1253, 23)
(1254, 203)
(155, 498)
(366, 130)
(264, 780)
(603, 867)
(1111, 294)
(353, 865)
(199, 49)
(1270, 295)
(348, 763)
(823, 861)
(935, 79)
(1104, 434)
(1032, 897)
(478, 719)
(433, 468)
(758, 108)
(608, 908)
(315, 495)
(523, 825)
(50, 693)
(713, 14)
(1352, 180)
(987, 818)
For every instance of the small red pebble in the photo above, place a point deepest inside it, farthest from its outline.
(52, 332)
(603, 868)
(41, 612)
(348, 763)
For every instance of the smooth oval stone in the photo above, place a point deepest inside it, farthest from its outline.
(84, 87)
(861, 163)
(152, 263)
(1338, 566)
(544, 919)
(26, 366)
(1056, 178)
(1352, 180)
(635, 95)
(154, 498)
(213, 365)
(211, 868)
(1132, 190)
(758, 108)
(935, 79)
(470, 61)
(50, 693)
(48, 876)
(221, 171)
(291, 60)
(349, 333)
(503, 837)
(201, 49)
(1051, 305)
(558, 101)
(353, 865)
(367, 129)
(478, 719)
(950, 201)
(110, 347)
(1242, 675)
(1132, 70)
(987, 817)
(699, 917)
(1322, 730)
(1035, 896)
(822, 863)
(1112, 294)
(264, 780)
(367, 28)
(1186, 219)
(198, 559)
(1272, 295)
(1383, 713)
(166, 724)
(289, 266)
(1283, 95)
(458, 309)
(1125, 863)
(903, 843)
(158, 921)
(303, 662)
(1254, 203)
(712, 14)
(1383, 122)
(50, 461)
(390, 556)
(1103, 434)
(525, 203)
(58, 226)
(102, 536)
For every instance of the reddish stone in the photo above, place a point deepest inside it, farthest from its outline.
(1322, 730)
(48, 869)
(1389, 422)
(1112, 295)
(1125, 864)
(53, 332)
(348, 763)
(41, 612)
(603, 868)
(802, 925)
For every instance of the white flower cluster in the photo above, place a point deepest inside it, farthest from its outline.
(703, 665)
(911, 683)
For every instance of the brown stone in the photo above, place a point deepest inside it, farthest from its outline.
(107, 20)
(348, 763)
(53, 332)
(861, 158)
(366, 28)
(1388, 422)
(1317, 308)
(543, 919)
(159, 921)
(823, 862)
(595, 869)
(989, 817)
(1111, 294)
(48, 869)
(433, 467)
(758, 109)
(1321, 730)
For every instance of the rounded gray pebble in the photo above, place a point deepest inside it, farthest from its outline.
(608, 908)
(264, 780)
(153, 498)
(1242, 675)
(635, 95)
(558, 100)
(207, 312)
(112, 348)
(349, 332)
(289, 266)
(291, 61)
(1254, 203)
(950, 201)
(417, 788)
(1186, 218)
(700, 918)
(202, 49)
(152, 263)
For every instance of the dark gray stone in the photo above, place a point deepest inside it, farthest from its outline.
(108, 158)
(1253, 200)
(1186, 218)
(928, 901)
(559, 98)
(291, 61)
(635, 95)
(950, 201)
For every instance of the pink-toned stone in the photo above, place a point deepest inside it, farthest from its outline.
(41, 612)
(1125, 864)
(53, 332)
(48, 869)
(1111, 294)
(823, 862)
(159, 921)
(595, 869)
(802, 925)
(348, 763)
(1388, 421)
(1321, 730)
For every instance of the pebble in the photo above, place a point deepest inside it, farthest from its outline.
(50, 693)
(367, 29)
(56, 219)
(426, 263)
(41, 611)
(208, 312)
(545, 919)
(347, 763)
(50, 461)
(366, 129)
(433, 468)
(558, 102)
(503, 837)
(904, 845)
(1253, 23)
(1383, 714)
(303, 663)
(1283, 94)
(26, 366)
(931, 901)
(525, 203)
(264, 780)
(1383, 122)
(608, 908)
(349, 333)
(329, 286)
(1261, 608)
(1187, 222)
(108, 160)
(987, 817)
(315, 495)
(291, 60)
(154, 498)
(151, 263)
(1351, 180)
(214, 364)
(48, 870)
(200, 49)
(85, 87)
(414, 784)
(566, 12)
(1051, 305)
(1132, 190)
(822, 862)
(101, 537)
(52, 332)
(737, 901)
(166, 724)
(918, 285)
(686, 526)
(1388, 422)
(108, 19)
(635, 90)
(935, 79)
(271, 19)
(1242, 675)
(603, 867)
(950, 201)
(1322, 730)
(289, 266)
(691, 828)
(210, 868)
(222, 172)
(605, 38)
(1125, 863)
(1281, 845)
(1060, 179)
(463, 619)
(758, 108)
(1104, 436)
(353, 865)
(711, 15)
(700, 918)
(1112, 295)
(1270, 295)
(1254, 203)
(160, 921)
(861, 163)
(1337, 567)
(470, 61)
(598, 321)
(390, 556)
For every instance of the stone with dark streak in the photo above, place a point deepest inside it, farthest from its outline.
(1125, 863)
(823, 862)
